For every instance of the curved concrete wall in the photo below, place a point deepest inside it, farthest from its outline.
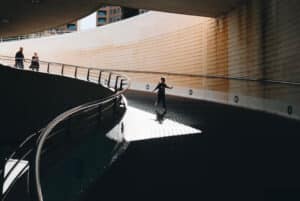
(257, 40)
(31, 100)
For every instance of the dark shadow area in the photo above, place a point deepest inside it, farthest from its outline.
(241, 155)
(76, 151)
(160, 115)
(30, 100)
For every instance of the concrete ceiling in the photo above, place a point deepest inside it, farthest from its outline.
(19, 17)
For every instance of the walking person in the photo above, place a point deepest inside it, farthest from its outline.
(19, 59)
(161, 94)
(35, 63)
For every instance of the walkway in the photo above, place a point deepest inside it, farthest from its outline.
(240, 155)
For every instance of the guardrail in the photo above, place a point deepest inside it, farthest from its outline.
(34, 35)
(248, 79)
(33, 147)
(276, 95)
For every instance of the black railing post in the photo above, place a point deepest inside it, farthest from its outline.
(121, 84)
(109, 78)
(48, 68)
(116, 83)
(88, 75)
(99, 78)
(75, 73)
(62, 69)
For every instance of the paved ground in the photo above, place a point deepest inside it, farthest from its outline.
(142, 125)
(241, 155)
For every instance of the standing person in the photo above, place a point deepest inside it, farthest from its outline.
(161, 94)
(35, 63)
(19, 58)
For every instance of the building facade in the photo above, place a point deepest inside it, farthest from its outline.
(108, 14)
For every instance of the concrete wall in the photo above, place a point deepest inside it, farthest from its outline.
(257, 40)
(31, 100)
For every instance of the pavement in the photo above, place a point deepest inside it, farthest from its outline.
(238, 155)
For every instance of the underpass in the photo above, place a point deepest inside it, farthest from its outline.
(231, 131)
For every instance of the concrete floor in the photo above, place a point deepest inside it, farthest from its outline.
(241, 155)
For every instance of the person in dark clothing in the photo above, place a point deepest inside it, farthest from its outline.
(161, 94)
(19, 58)
(35, 64)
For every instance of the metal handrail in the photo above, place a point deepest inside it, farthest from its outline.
(34, 35)
(208, 76)
(47, 130)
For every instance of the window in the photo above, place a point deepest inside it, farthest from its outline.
(72, 27)
(101, 13)
(101, 20)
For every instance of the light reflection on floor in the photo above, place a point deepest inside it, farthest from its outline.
(18, 170)
(141, 125)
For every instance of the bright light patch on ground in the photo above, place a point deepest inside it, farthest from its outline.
(142, 125)
(14, 173)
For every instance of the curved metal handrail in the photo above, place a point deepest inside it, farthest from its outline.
(208, 76)
(118, 91)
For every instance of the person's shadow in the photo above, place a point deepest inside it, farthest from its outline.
(160, 116)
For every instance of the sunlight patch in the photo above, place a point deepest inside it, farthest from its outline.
(142, 125)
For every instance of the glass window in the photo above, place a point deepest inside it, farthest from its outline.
(101, 20)
(72, 27)
(101, 13)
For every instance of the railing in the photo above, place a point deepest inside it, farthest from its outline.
(107, 78)
(207, 76)
(273, 94)
(34, 35)
(33, 147)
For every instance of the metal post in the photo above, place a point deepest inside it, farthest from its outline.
(88, 75)
(109, 78)
(48, 68)
(75, 74)
(62, 69)
(121, 84)
(116, 82)
(99, 78)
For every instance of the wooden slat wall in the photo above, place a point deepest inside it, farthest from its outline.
(260, 39)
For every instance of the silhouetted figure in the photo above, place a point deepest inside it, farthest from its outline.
(35, 63)
(160, 116)
(161, 94)
(19, 58)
